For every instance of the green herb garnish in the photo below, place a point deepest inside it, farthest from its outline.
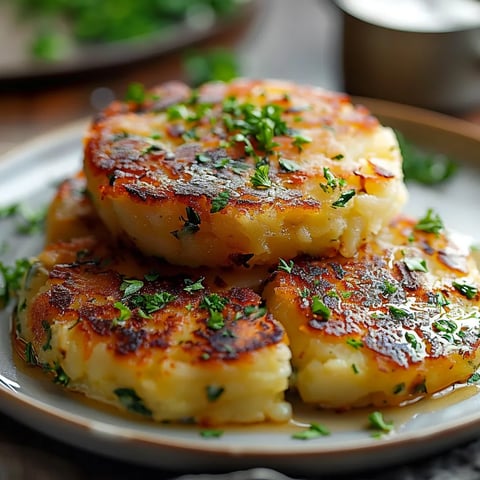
(319, 308)
(430, 223)
(131, 401)
(211, 433)
(315, 430)
(416, 264)
(214, 392)
(344, 198)
(220, 201)
(378, 422)
(260, 178)
(467, 290)
(191, 224)
(191, 286)
(300, 140)
(286, 267)
(424, 167)
(353, 342)
(288, 165)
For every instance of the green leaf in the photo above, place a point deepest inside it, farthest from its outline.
(467, 290)
(131, 286)
(214, 392)
(131, 401)
(260, 178)
(220, 201)
(353, 342)
(191, 286)
(424, 167)
(378, 422)
(125, 314)
(288, 165)
(344, 198)
(300, 140)
(416, 264)
(319, 308)
(315, 430)
(135, 93)
(286, 267)
(191, 224)
(211, 433)
(430, 223)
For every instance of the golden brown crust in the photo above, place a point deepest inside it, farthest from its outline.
(396, 297)
(238, 151)
(85, 287)
(144, 171)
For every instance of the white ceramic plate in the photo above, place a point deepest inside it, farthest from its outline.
(29, 175)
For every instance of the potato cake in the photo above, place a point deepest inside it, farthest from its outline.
(176, 347)
(251, 170)
(396, 322)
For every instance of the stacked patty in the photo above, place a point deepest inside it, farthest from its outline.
(251, 170)
(218, 237)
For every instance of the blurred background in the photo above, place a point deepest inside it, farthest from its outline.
(62, 60)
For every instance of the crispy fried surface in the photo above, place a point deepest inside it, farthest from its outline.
(397, 321)
(161, 341)
(262, 169)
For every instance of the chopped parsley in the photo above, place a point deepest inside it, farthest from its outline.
(388, 288)
(60, 377)
(430, 223)
(411, 339)
(214, 392)
(286, 267)
(214, 303)
(378, 423)
(9, 210)
(11, 279)
(149, 303)
(31, 222)
(252, 122)
(441, 300)
(130, 287)
(131, 401)
(260, 178)
(135, 93)
(211, 433)
(332, 182)
(475, 378)
(399, 388)
(30, 356)
(353, 342)
(424, 167)
(319, 308)
(344, 198)
(447, 326)
(315, 430)
(191, 286)
(48, 330)
(416, 264)
(467, 290)
(125, 314)
(300, 140)
(220, 201)
(398, 313)
(191, 224)
(288, 165)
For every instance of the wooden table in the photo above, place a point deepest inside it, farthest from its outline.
(270, 46)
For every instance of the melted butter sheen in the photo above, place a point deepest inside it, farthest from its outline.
(303, 415)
